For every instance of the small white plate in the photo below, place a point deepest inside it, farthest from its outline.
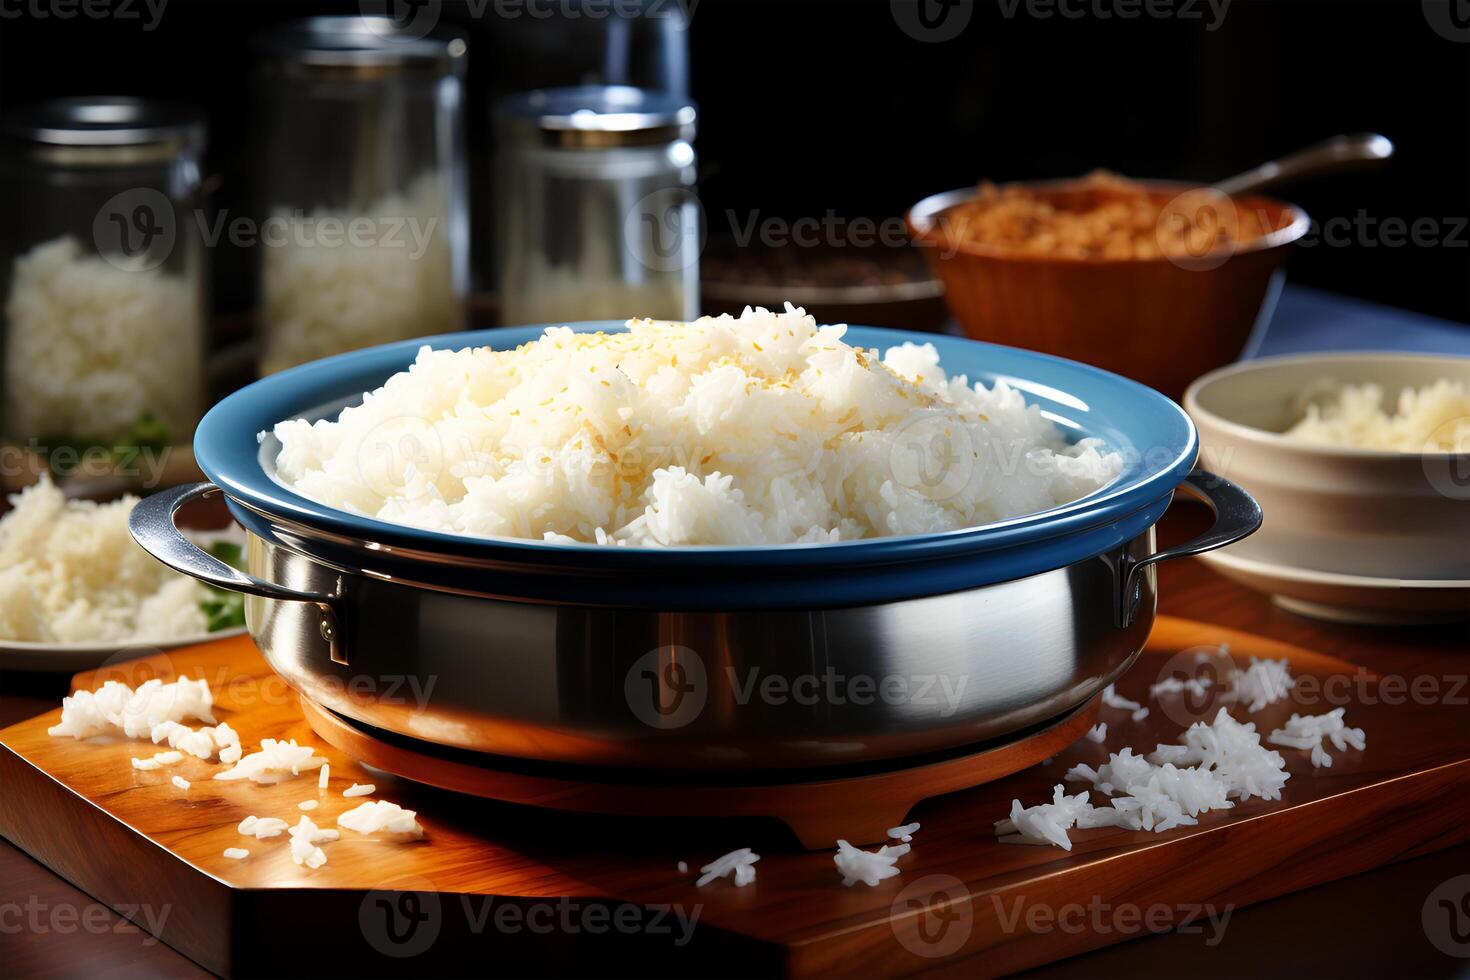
(1347, 598)
(68, 658)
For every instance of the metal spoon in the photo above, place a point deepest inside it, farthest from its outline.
(1338, 153)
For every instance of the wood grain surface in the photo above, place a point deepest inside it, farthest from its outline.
(132, 839)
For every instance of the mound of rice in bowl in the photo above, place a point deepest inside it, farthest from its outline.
(761, 429)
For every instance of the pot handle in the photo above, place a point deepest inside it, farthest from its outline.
(153, 527)
(1237, 515)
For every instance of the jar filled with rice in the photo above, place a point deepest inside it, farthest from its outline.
(363, 221)
(104, 282)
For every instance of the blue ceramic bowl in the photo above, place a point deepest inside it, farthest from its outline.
(1155, 436)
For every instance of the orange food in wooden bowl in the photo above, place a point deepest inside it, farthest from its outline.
(1160, 282)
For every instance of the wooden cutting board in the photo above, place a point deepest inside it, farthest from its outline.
(511, 889)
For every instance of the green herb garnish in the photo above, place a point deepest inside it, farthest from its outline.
(230, 553)
(65, 454)
(224, 609)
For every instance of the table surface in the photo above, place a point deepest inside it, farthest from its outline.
(1368, 925)
(1312, 320)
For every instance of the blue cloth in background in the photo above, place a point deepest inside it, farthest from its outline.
(1307, 319)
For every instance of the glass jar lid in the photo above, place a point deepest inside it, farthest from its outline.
(104, 121)
(595, 116)
(108, 130)
(362, 45)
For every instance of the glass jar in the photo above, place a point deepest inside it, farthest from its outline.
(363, 233)
(104, 280)
(596, 214)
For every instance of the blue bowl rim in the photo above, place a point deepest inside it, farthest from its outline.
(226, 447)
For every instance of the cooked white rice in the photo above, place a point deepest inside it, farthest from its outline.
(904, 833)
(303, 851)
(1196, 686)
(381, 816)
(71, 573)
(1213, 764)
(276, 761)
(1432, 419)
(117, 709)
(202, 743)
(305, 838)
(262, 828)
(91, 349)
(765, 429)
(869, 867)
(738, 866)
(156, 710)
(326, 292)
(1112, 699)
(1306, 732)
(1262, 682)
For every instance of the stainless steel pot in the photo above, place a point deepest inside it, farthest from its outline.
(677, 688)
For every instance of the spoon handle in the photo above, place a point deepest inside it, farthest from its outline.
(1337, 153)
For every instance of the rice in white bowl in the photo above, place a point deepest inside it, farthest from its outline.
(761, 429)
(1431, 419)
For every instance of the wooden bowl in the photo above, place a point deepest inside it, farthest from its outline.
(1162, 321)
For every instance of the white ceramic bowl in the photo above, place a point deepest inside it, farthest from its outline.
(1357, 512)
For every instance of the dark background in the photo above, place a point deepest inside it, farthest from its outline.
(808, 107)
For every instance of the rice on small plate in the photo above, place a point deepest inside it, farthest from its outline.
(74, 583)
(761, 429)
(70, 571)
